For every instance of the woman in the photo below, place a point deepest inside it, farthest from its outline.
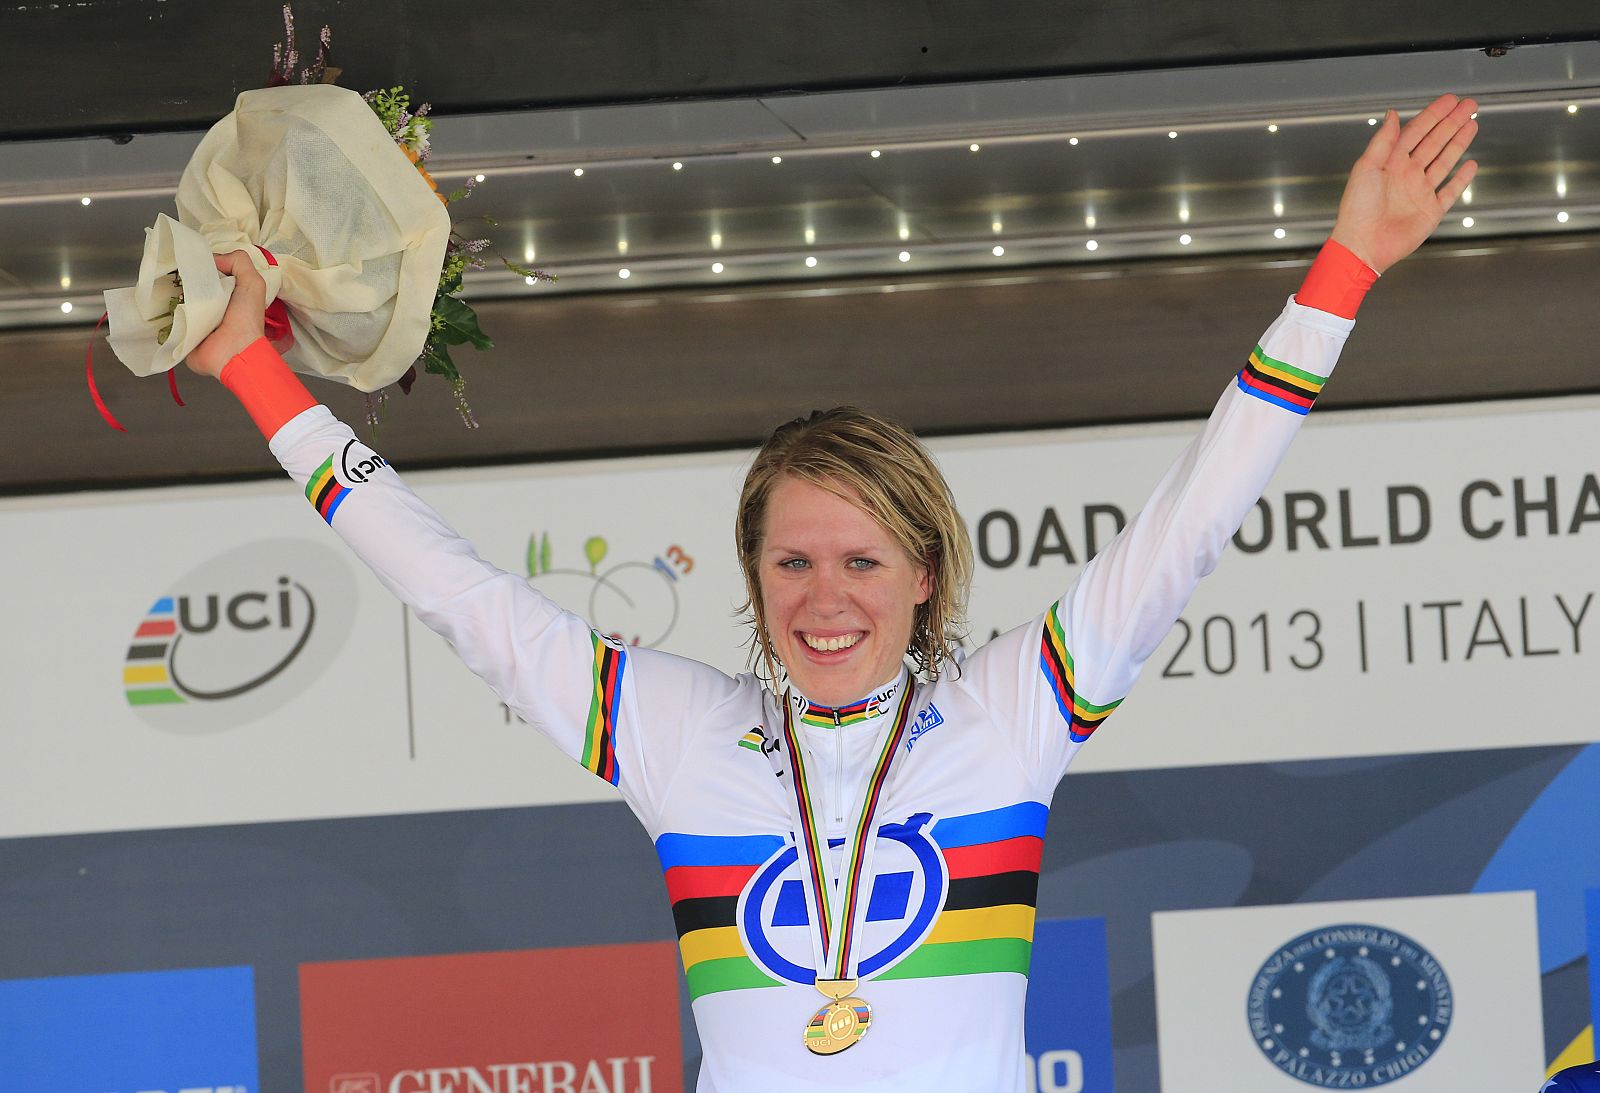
(877, 894)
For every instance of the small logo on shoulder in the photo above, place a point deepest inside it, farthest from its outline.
(757, 740)
(1349, 1006)
(928, 720)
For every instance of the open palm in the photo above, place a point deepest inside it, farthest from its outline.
(1402, 185)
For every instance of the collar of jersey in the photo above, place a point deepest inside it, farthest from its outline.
(876, 703)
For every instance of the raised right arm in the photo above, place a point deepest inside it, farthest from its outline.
(548, 665)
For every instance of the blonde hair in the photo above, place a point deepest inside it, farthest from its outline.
(883, 468)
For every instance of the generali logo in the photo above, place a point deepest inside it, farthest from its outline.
(615, 1075)
(499, 1022)
(239, 635)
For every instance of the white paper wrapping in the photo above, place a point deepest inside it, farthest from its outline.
(309, 173)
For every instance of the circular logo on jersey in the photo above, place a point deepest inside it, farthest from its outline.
(1350, 1006)
(903, 899)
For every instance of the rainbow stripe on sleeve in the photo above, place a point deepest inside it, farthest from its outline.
(600, 732)
(986, 924)
(1055, 661)
(1280, 383)
(325, 492)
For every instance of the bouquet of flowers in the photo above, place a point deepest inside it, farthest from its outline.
(327, 190)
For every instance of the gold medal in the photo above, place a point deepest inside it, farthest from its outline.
(839, 1024)
(835, 903)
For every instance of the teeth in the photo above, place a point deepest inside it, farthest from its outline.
(831, 645)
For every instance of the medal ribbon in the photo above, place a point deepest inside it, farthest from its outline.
(836, 913)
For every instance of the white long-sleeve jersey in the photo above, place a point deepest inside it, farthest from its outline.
(948, 914)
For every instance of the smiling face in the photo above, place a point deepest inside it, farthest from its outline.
(839, 595)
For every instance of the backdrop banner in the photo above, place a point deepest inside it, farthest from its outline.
(212, 655)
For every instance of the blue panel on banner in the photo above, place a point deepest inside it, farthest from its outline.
(1069, 1007)
(127, 1033)
(1555, 849)
(1591, 900)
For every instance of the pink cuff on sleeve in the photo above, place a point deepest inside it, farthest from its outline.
(1336, 282)
(270, 392)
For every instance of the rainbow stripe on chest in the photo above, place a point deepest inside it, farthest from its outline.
(992, 859)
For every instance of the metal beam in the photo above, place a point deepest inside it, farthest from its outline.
(636, 373)
(111, 67)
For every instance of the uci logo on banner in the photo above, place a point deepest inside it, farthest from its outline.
(239, 635)
(905, 898)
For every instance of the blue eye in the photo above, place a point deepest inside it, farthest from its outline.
(793, 563)
(862, 563)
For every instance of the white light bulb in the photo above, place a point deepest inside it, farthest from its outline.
(972, 147)
(1183, 213)
(66, 282)
(905, 233)
(624, 273)
(1562, 217)
(1273, 128)
(1572, 108)
(86, 200)
(998, 252)
(716, 240)
(1091, 245)
(1467, 221)
(1185, 239)
(66, 307)
(716, 267)
(811, 261)
(530, 280)
(876, 153)
(478, 178)
(622, 246)
(1278, 233)
(777, 159)
(995, 225)
(1089, 221)
(905, 256)
(677, 165)
(1277, 208)
(1072, 141)
(1466, 196)
(1172, 134)
(527, 253)
(577, 172)
(1561, 187)
(811, 235)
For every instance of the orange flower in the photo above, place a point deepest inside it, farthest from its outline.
(426, 177)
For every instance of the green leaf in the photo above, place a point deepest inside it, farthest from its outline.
(449, 281)
(544, 552)
(436, 359)
(456, 324)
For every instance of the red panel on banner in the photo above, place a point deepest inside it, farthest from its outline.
(602, 1019)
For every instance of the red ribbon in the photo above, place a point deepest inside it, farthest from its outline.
(94, 391)
(275, 323)
(275, 320)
